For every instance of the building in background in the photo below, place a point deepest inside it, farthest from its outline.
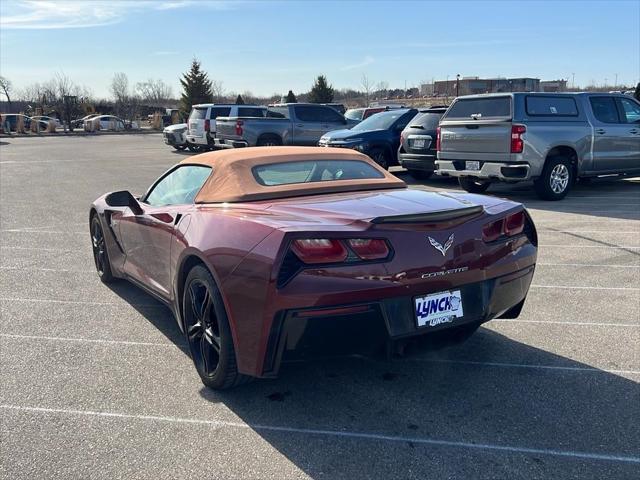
(476, 85)
(553, 86)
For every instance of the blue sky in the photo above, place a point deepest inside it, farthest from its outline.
(273, 46)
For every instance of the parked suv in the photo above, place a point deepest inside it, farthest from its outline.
(378, 136)
(417, 152)
(201, 130)
(550, 138)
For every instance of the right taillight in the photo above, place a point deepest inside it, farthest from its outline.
(438, 135)
(508, 226)
(319, 250)
(517, 143)
(369, 248)
(239, 129)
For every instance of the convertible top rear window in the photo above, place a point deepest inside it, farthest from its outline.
(310, 171)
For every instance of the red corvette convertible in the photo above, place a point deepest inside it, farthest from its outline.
(275, 253)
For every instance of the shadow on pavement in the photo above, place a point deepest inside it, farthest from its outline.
(384, 419)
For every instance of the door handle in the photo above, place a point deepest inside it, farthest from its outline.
(633, 130)
(299, 125)
(601, 131)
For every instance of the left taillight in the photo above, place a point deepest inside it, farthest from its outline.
(207, 125)
(438, 139)
(319, 250)
(508, 226)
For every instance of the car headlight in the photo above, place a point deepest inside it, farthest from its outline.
(347, 141)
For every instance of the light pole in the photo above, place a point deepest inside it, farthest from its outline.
(573, 81)
(616, 84)
(458, 85)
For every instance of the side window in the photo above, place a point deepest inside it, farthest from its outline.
(179, 186)
(306, 113)
(250, 112)
(219, 112)
(630, 110)
(331, 115)
(551, 106)
(604, 109)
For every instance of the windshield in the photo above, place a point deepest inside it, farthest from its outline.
(379, 121)
(354, 113)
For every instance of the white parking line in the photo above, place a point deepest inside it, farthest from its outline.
(37, 269)
(88, 340)
(333, 433)
(74, 302)
(589, 231)
(569, 287)
(586, 265)
(41, 249)
(556, 322)
(522, 365)
(617, 247)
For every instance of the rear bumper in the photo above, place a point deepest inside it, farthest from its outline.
(231, 143)
(413, 161)
(364, 328)
(507, 172)
(197, 140)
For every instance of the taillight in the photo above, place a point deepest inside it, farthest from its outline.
(319, 250)
(510, 225)
(438, 139)
(517, 144)
(369, 248)
(514, 224)
(239, 130)
(207, 125)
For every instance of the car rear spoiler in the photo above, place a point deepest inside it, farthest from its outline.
(436, 216)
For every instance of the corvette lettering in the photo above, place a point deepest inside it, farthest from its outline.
(445, 272)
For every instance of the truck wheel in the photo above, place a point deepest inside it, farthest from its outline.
(473, 185)
(269, 141)
(556, 179)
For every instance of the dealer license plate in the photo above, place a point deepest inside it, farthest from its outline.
(473, 165)
(438, 308)
(418, 143)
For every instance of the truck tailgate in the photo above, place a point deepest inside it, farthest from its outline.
(226, 128)
(476, 137)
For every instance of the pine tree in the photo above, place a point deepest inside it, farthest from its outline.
(321, 92)
(239, 100)
(197, 87)
(291, 98)
(637, 92)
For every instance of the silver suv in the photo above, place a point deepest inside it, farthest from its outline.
(552, 139)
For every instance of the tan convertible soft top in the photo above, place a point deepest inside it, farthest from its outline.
(232, 179)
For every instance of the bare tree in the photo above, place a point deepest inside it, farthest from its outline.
(367, 86)
(218, 91)
(382, 88)
(154, 92)
(120, 87)
(5, 85)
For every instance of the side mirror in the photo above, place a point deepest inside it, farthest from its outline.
(124, 198)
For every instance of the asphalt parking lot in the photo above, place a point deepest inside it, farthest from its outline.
(95, 382)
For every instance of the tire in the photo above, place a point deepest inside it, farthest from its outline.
(269, 141)
(420, 174)
(473, 185)
(556, 179)
(193, 148)
(211, 347)
(100, 254)
(180, 147)
(380, 156)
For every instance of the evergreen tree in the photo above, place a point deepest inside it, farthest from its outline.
(321, 92)
(637, 92)
(197, 87)
(239, 100)
(291, 98)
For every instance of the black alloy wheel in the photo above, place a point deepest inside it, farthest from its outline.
(100, 254)
(208, 333)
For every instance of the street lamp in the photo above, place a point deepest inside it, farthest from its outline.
(458, 85)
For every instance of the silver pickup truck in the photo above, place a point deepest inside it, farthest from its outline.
(550, 138)
(285, 124)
